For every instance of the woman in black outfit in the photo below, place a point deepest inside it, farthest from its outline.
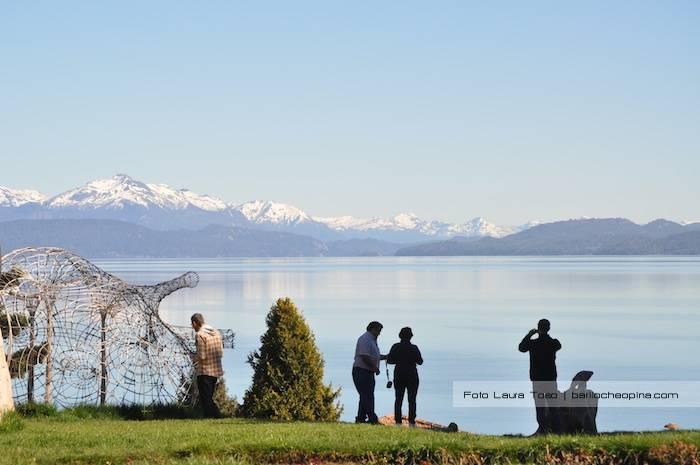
(405, 356)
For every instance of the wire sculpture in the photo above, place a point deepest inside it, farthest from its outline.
(75, 334)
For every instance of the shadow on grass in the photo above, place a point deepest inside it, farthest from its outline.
(108, 412)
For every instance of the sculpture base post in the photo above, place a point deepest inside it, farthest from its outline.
(6, 402)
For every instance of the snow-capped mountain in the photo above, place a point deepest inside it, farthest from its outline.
(409, 222)
(267, 212)
(121, 191)
(160, 206)
(402, 227)
(18, 197)
(276, 216)
(479, 227)
(401, 222)
(157, 206)
(408, 225)
(205, 202)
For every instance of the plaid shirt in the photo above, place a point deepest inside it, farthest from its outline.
(210, 349)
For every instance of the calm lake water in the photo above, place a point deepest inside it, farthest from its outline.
(631, 318)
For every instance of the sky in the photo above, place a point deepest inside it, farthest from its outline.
(514, 111)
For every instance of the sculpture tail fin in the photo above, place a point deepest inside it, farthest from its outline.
(164, 289)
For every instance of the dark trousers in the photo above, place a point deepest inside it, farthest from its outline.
(364, 383)
(400, 388)
(205, 386)
(547, 408)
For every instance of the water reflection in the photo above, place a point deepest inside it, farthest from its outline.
(620, 317)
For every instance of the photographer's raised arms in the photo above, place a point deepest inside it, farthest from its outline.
(543, 374)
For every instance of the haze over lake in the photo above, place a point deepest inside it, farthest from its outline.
(625, 318)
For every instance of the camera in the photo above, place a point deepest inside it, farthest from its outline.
(389, 382)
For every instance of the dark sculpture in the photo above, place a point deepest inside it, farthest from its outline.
(579, 409)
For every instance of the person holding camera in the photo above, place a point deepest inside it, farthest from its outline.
(406, 357)
(364, 368)
(543, 374)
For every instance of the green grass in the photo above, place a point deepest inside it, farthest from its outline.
(109, 412)
(233, 441)
(11, 422)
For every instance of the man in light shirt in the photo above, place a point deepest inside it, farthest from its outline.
(210, 349)
(365, 367)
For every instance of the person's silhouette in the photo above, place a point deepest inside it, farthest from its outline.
(405, 356)
(364, 368)
(543, 374)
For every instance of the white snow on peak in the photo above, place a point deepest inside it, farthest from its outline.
(203, 201)
(477, 227)
(349, 223)
(528, 225)
(407, 220)
(121, 190)
(342, 223)
(18, 197)
(265, 211)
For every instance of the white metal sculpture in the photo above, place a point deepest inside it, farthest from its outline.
(75, 334)
(6, 402)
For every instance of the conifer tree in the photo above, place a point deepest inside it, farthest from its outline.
(288, 372)
(228, 405)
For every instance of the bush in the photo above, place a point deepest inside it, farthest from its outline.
(228, 405)
(34, 410)
(288, 372)
(12, 323)
(156, 412)
(679, 452)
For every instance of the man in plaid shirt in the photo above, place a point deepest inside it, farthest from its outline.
(210, 349)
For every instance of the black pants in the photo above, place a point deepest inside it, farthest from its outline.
(547, 408)
(205, 386)
(400, 388)
(364, 383)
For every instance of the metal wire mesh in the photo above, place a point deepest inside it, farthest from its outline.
(75, 334)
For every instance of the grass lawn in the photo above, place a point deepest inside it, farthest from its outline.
(234, 441)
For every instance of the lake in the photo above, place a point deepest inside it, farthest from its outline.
(625, 318)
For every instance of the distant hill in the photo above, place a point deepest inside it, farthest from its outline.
(108, 238)
(613, 236)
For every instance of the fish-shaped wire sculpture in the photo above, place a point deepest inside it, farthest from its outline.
(75, 334)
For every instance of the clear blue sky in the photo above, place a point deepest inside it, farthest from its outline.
(509, 110)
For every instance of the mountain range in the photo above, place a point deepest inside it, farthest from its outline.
(162, 207)
(99, 238)
(123, 217)
(606, 236)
